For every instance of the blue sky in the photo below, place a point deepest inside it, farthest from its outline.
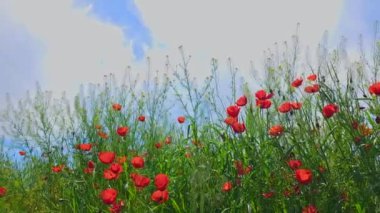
(64, 43)
(358, 17)
(125, 15)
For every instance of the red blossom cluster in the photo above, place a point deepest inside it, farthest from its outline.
(311, 88)
(263, 99)
(161, 195)
(289, 106)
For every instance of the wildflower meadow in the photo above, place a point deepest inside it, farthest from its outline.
(299, 135)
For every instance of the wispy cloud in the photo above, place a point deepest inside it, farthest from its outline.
(238, 29)
(75, 47)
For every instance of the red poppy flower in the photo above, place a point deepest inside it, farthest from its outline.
(230, 120)
(140, 181)
(90, 167)
(116, 107)
(110, 175)
(296, 105)
(85, 146)
(3, 191)
(304, 176)
(262, 99)
(116, 168)
(240, 168)
(187, 155)
(168, 140)
(158, 145)
(285, 107)
(161, 181)
(276, 130)
(310, 209)
(57, 168)
(181, 119)
(248, 169)
(238, 127)
(122, 131)
(233, 111)
(90, 164)
(312, 77)
(355, 124)
(262, 95)
(116, 207)
(106, 157)
(160, 196)
(242, 101)
(268, 194)
(374, 89)
(312, 89)
(263, 104)
(137, 162)
(294, 164)
(141, 118)
(22, 153)
(227, 186)
(297, 82)
(329, 110)
(108, 196)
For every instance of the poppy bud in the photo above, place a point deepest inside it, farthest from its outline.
(227, 186)
(377, 119)
(181, 119)
(3, 191)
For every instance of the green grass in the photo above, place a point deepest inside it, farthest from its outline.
(344, 159)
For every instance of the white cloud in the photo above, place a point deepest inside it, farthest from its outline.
(240, 29)
(77, 47)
